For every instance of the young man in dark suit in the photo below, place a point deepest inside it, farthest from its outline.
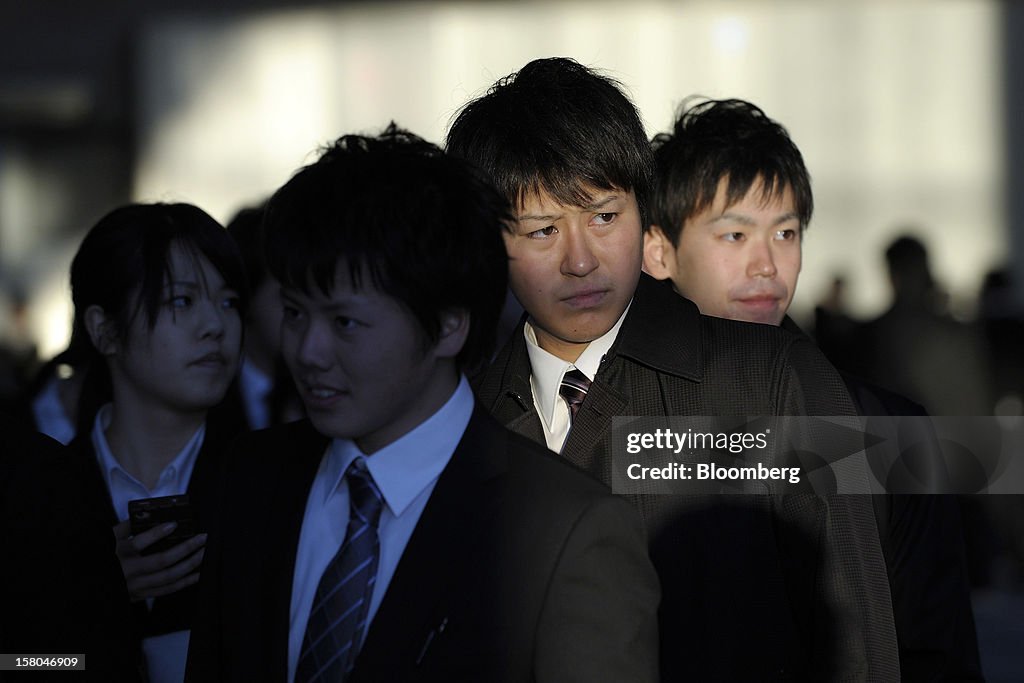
(754, 588)
(732, 199)
(401, 534)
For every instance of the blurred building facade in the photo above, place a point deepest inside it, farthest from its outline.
(906, 112)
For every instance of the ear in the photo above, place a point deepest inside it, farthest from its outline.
(101, 331)
(659, 254)
(454, 330)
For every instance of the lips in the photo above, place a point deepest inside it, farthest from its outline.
(766, 301)
(585, 298)
(214, 359)
(317, 396)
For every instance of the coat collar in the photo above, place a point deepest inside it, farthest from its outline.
(662, 330)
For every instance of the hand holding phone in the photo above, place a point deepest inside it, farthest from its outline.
(146, 513)
(174, 564)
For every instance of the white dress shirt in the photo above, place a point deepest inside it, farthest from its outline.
(255, 387)
(123, 487)
(406, 472)
(49, 414)
(546, 372)
(165, 654)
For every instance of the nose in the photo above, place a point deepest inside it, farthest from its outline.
(762, 261)
(312, 349)
(212, 323)
(579, 259)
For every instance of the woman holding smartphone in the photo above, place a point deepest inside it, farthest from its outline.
(158, 291)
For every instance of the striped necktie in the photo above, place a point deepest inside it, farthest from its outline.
(574, 389)
(338, 617)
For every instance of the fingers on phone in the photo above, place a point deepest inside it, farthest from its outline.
(151, 536)
(182, 550)
(123, 530)
(155, 562)
(176, 571)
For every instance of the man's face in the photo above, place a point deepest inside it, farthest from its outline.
(361, 362)
(740, 262)
(574, 268)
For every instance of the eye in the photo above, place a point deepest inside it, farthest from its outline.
(733, 236)
(605, 218)
(543, 233)
(231, 302)
(290, 314)
(180, 302)
(345, 323)
(786, 235)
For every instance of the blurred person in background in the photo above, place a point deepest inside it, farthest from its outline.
(264, 394)
(19, 359)
(50, 399)
(916, 348)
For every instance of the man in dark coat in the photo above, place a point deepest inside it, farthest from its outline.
(754, 587)
(731, 202)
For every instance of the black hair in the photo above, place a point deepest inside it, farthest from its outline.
(123, 266)
(907, 260)
(718, 139)
(397, 209)
(907, 252)
(555, 126)
(246, 228)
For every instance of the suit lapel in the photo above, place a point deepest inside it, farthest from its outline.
(591, 426)
(512, 404)
(426, 582)
(299, 456)
(505, 386)
(516, 410)
(641, 340)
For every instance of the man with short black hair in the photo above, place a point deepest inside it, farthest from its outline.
(732, 199)
(754, 588)
(401, 534)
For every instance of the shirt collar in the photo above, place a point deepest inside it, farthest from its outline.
(402, 469)
(546, 369)
(254, 381)
(183, 462)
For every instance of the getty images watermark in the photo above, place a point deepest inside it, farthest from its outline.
(780, 455)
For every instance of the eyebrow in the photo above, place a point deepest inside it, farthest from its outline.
(352, 300)
(743, 219)
(593, 206)
(196, 286)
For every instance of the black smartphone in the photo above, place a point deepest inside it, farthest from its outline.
(146, 513)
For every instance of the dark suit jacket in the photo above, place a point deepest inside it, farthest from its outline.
(754, 588)
(61, 587)
(519, 569)
(923, 545)
(171, 612)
